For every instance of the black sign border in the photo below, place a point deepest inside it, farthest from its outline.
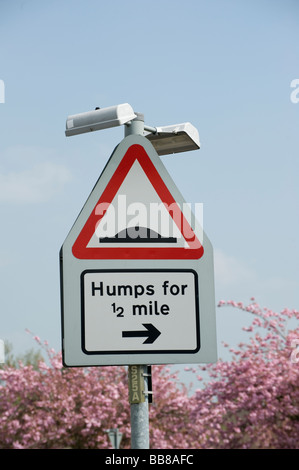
(135, 352)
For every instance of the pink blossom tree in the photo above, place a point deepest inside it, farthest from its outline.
(56, 407)
(252, 401)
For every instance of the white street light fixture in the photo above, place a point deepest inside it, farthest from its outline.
(166, 140)
(99, 119)
(174, 139)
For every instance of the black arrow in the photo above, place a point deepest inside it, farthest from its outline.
(151, 333)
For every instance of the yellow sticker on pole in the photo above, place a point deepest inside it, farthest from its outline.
(136, 384)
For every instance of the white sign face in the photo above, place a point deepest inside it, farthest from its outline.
(139, 311)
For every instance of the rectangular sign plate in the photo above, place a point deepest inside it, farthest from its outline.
(140, 311)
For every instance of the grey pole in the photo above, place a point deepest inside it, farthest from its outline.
(139, 411)
(136, 126)
(140, 417)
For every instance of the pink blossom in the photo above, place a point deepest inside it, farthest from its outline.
(250, 401)
(254, 401)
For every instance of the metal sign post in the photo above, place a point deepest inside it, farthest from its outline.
(138, 398)
(115, 437)
(137, 374)
(136, 269)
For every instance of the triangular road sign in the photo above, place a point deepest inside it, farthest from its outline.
(136, 215)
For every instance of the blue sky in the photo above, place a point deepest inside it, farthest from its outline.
(225, 66)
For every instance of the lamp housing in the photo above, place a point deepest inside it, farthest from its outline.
(174, 139)
(99, 119)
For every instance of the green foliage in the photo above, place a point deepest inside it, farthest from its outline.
(30, 357)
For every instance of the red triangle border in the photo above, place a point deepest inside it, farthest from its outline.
(80, 249)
